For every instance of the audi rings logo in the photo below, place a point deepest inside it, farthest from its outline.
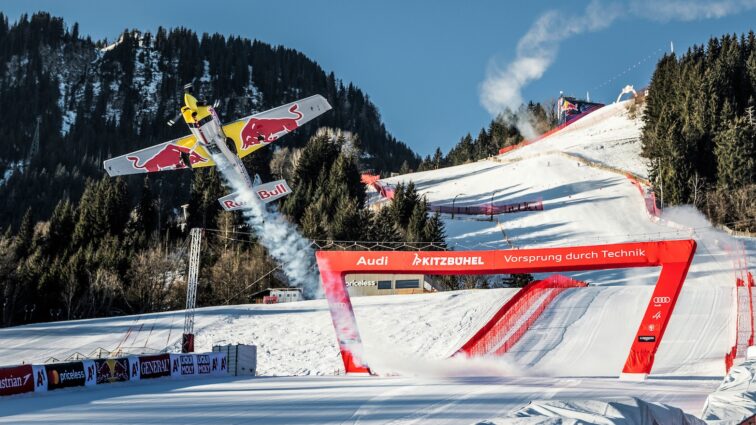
(662, 300)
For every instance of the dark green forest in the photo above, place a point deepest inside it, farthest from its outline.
(700, 130)
(76, 243)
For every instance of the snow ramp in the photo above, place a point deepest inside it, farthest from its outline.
(516, 316)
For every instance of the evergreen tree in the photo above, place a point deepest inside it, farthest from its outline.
(23, 240)
(736, 154)
(418, 222)
(435, 231)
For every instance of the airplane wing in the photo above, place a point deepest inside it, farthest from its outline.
(165, 156)
(256, 131)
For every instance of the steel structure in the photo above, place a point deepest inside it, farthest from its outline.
(187, 345)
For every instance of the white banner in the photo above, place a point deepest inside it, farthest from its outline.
(219, 364)
(90, 372)
(183, 365)
(134, 372)
(40, 378)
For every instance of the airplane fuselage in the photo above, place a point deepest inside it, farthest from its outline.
(207, 128)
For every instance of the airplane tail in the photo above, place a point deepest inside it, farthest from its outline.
(267, 192)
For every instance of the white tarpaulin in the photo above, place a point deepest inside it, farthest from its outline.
(735, 399)
(622, 411)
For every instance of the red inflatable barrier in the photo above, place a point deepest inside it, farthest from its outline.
(674, 257)
(649, 197)
(509, 324)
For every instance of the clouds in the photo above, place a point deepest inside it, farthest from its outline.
(686, 10)
(538, 48)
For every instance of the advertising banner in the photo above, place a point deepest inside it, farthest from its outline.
(90, 370)
(65, 375)
(16, 380)
(112, 370)
(155, 366)
(183, 365)
(204, 366)
(134, 370)
(219, 364)
(40, 378)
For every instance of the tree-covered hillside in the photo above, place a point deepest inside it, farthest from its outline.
(76, 243)
(700, 129)
(97, 101)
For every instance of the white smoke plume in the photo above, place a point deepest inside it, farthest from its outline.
(536, 51)
(279, 237)
(501, 91)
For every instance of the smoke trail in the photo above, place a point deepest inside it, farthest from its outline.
(281, 239)
(536, 51)
(501, 90)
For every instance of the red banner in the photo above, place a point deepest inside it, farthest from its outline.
(155, 366)
(16, 380)
(673, 256)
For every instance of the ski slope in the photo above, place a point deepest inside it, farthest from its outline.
(576, 349)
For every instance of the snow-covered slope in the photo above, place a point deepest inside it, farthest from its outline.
(610, 135)
(292, 339)
(585, 333)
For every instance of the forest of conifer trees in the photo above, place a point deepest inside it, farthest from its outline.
(700, 130)
(77, 244)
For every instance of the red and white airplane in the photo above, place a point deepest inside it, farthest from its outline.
(228, 143)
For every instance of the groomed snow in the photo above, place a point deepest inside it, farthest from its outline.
(330, 400)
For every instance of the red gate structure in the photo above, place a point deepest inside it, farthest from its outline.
(674, 257)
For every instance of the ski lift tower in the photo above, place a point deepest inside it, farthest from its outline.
(187, 339)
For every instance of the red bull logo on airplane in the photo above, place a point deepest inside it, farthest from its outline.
(167, 158)
(267, 130)
(278, 191)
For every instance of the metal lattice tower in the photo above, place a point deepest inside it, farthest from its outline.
(191, 284)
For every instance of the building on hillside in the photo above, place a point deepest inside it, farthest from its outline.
(387, 284)
(277, 296)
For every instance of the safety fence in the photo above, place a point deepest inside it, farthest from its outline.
(550, 132)
(744, 320)
(516, 316)
(384, 189)
(86, 373)
(649, 197)
(489, 209)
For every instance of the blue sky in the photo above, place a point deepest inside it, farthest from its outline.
(421, 62)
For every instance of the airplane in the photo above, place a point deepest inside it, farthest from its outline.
(228, 143)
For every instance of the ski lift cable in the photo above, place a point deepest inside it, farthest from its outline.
(643, 60)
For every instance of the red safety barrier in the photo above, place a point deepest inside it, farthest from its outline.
(369, 179)
(550, 132)
(516, 316)
(649, 197)
(744, 319)
(489, 209)
(674, 257)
